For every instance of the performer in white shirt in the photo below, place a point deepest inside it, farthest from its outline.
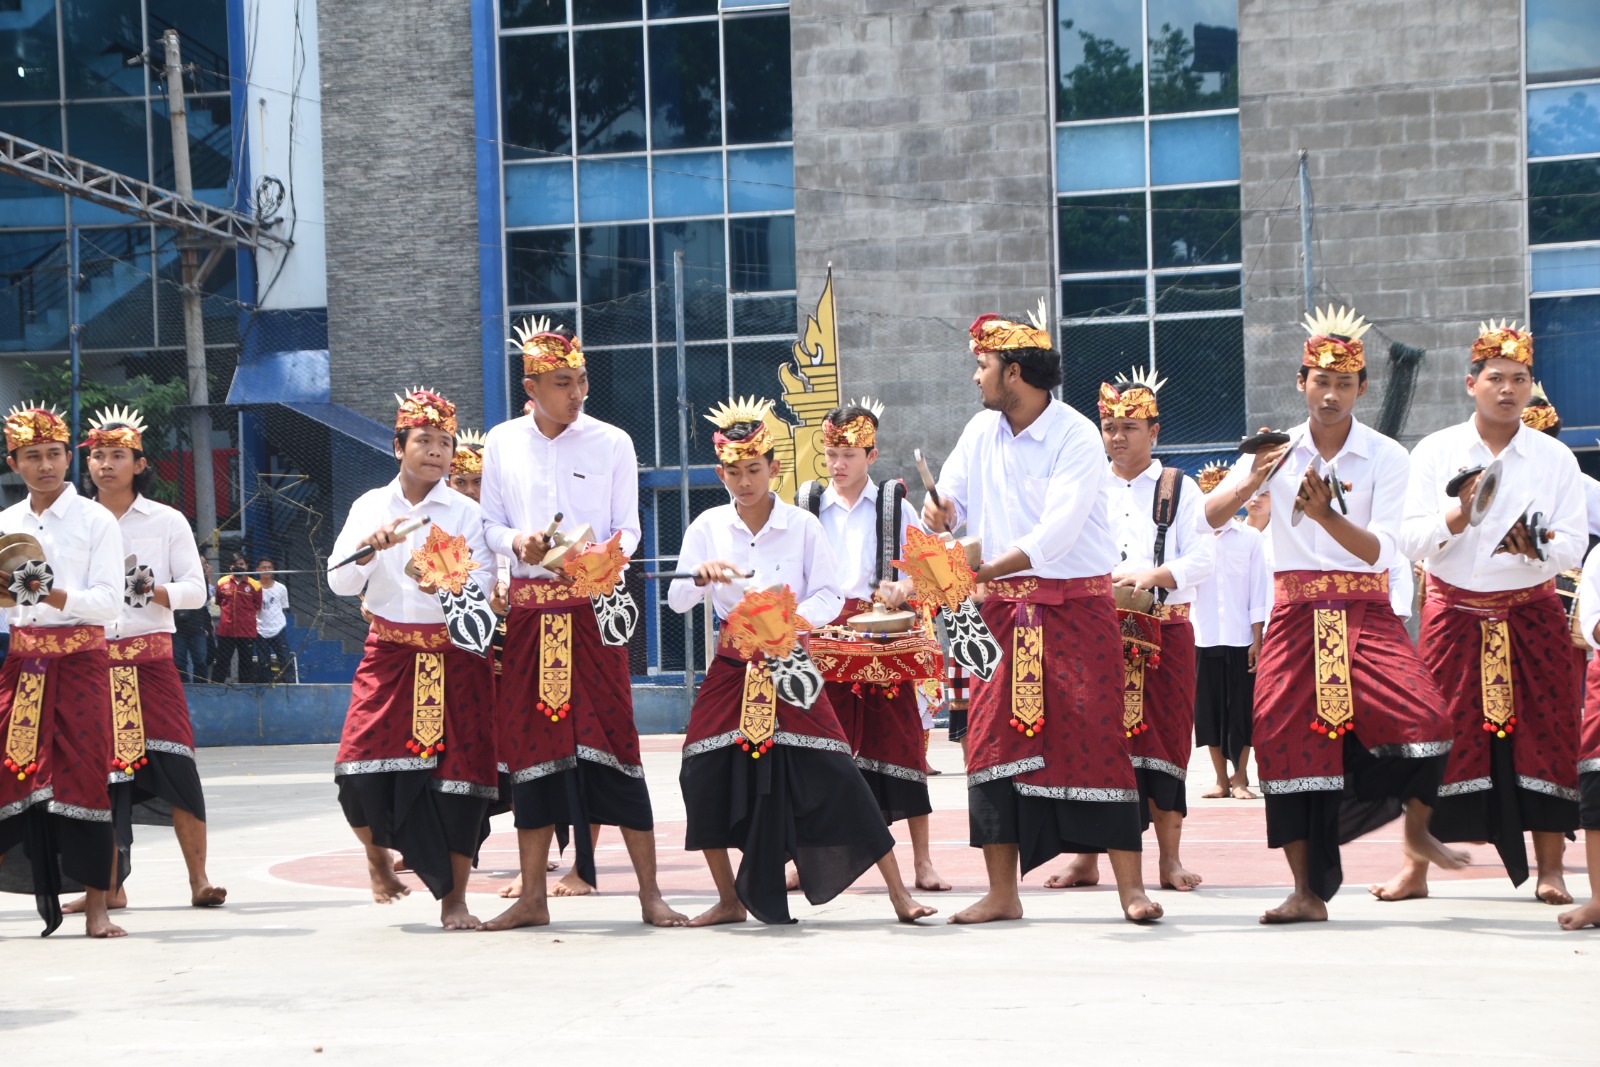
(1588, 914)
(153, 779)
(564, 705)
(1494, 632)
(415, 766)
(865, 523)
(55, 700)
(1048, 770)
(1336, 655)
(1167, 549)
(760, 774)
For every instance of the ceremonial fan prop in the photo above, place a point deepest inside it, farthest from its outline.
(596, 572)
(140, 586)
(445, 562)
(943, 575)
(31, 577)
(767, 623)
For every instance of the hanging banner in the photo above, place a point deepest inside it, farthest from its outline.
(810, 390)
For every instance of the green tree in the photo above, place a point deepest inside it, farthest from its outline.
(1105, 84)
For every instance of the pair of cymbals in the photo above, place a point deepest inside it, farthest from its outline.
(565, 544)
(1266, 439)
(883, 619)
(15, 550)
(1339, 488)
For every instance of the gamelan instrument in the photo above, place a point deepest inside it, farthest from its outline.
(1333, 482)
(22, 556)
(1483, 497)
(564, 544)
(139, 588)
(404, 530)
(1539, 533)
(1567, 588)
(1249, 446)
(884, 646)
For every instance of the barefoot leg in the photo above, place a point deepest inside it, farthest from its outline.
(1421, 845)
(1083, 870)
(1302, 905)
(97, 919)
(925, 877)
(642, 851)
(1169, 834)
(386, 885)
(1220, 765)
(727, 909)
(1002, 902)
(1588, 914)
(1548, 850)
(453, 913)
(1411, 883)
(532, 907)
(191, 833)
(513, 889)
(115, 900)
(1128, 869)
(570, 884)
(905, 907)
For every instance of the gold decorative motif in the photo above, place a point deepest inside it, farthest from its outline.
(429, 636)
(1502, 340)
(140, 649)
(758, 708)
(1012, 588)
(1169, 612)
(597, 568)
(542, 593)
(1296, 586)
(127, 719)
(1494, 668)
(859, 432)
(733, 412)
(425, 409)
(468, 458)
(810, 381)
(991, 333)
(1133, 696)
(27, 705)
(543, 350)
(29, 424)
(939, 571)
(765, 622)
(1132, 397)
(1334, 343)
(116, 427)
(1540, 414)
(427, 704)
(555, 665)
(1331, 651)
(444, 560)
(50, 642)
(1027, 673)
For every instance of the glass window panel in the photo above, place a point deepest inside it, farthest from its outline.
(687, 184)
(764, 314)
(1103, 232)
(1564, 201)
(25, 203)
(610, 190)
(609, 66)
(33, 290)
(685, 89)
(1194, 55)
(615, 261)
(535, 104)
(1203, 360)
(99, 37)
(671, 9)
(539, 194)
(203, 28)
(763, 253)
(1189, 151)
(1109, 156)
(116, 268)
(1097, 352)
(755, 369)
(1563, 40)
(1195, 226)
(707, 367)
(1568, 329)
(730, 5)
(210, 144)
(705, 279)
(28, 43)
(761, 179)
(1564, 122)
(112, 135)
(1100, 59)
(1216, 291)
(515, 14)
(621, 392)
(540, 268)
(1564, 269)
(756, 58)
(1102, 297)
(589, 11)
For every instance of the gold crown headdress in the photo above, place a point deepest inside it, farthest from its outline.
(1334, 343)
(425, 408)
(1133, 397)
(30, 424)
(115, 427)
(544, 350)
(469, 453)
(1540, 414)
(1503, 340)
(991, 333)
(731, 413)
(859, 432)
(1211, 476)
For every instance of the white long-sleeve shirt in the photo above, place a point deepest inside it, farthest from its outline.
(1377, 469)
(1537, 470)
(83, 546)
(1190, 548)
(159, 537)
(1238, 593)
(392, 594)
(853, 538)
(589, 473)
(1038, 491)
(790, 549)
(1589, 597)
(1591, 494)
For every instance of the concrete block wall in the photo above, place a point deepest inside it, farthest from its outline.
(1412, 115)
(401, 197)
(922, 140)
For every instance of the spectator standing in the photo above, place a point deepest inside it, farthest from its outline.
(272, 638)
(239, 598)
(191, 642)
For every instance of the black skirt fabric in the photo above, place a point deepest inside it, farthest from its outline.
(573, 799)
(1589, 806)
(1224, 698)
(1043, 828)
(425, 827)
(1161, 789)
(807, 804)
(168, 781)
(1503, 813)
(897, 798)
(47, 855)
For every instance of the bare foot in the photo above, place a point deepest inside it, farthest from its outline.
(989, 909)
(386, 887)
(1138, 908)
(1083, 871)
(399, 861)
(1552, 889)
(1425, 848)
(100, 925)
(929, 881)
(1241, 792)
(909, 910)
(524, 912)
(116, 900)
(1216, 792)
(513, 889)
(658, 912)
(1410, 884)
(1299, 908)
(551, 865)
(206, 895)
(791, 878)
(453, 915)
(571, 886)
(720, 914)
(1176, 876)
(1578, 918)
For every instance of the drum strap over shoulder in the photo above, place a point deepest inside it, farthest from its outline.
(891, 492)
(809, 497)
(1164, 512)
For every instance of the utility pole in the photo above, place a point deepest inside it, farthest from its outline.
(194, 325)
(1307, 267)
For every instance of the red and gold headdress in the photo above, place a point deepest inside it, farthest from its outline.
(469, 453)
(115, 427)
(991, 333)
(1211, 476)
(859, 432)
(733, 412)
(1502, 340)
(425, 408)
(1335, 341)
(543, 350)
(29, 424)
(1540, 414)
(1135, 399)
